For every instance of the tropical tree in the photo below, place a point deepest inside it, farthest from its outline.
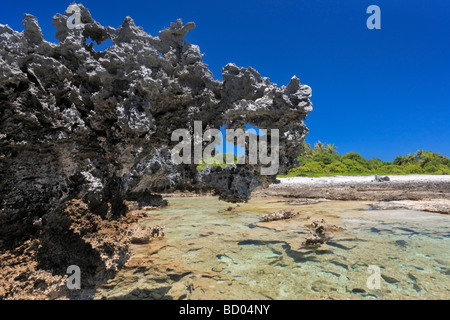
(331, 148)
(319, 146)
(399, 160)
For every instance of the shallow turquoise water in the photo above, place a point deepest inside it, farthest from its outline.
(267, 259)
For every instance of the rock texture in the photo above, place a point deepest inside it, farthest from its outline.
(35, 267)
(76, 124)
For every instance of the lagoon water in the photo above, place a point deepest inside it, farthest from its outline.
(212, 253)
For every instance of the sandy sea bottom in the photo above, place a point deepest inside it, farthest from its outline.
(212, 253)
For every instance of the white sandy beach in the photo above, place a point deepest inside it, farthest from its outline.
(355, 180)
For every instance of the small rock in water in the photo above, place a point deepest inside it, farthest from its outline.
(401, 243)
(412, 277)
(374, 230)
(318, 235)
(389, 279)
(279, 215)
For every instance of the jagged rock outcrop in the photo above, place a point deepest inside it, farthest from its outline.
(96, 126)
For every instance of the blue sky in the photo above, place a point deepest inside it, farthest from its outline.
(376, 92)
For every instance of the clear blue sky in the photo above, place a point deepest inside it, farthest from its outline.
(376, 92)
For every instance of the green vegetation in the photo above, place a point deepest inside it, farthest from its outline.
(323, 160)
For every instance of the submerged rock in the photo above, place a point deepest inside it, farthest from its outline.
(401, 243)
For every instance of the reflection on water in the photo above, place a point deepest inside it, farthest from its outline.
(212, 253)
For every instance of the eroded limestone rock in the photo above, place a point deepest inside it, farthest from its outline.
(96, 126)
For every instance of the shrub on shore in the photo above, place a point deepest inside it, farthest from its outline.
(323, 160)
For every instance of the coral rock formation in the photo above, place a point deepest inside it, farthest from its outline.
(318, 232)
(96, 126)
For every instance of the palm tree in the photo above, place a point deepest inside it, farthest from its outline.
(427, 156)
(410, 158)
(399, 160)
(319, 146)
(419, 155)
(331, 148)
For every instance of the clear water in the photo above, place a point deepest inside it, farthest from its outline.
(212, 253)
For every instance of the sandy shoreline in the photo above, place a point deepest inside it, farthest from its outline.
(360, 180)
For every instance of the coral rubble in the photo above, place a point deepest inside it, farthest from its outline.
(279, 215)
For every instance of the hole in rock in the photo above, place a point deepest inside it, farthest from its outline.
(99, 47)
(224, 147)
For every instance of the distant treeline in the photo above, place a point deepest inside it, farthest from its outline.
(324, 160)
